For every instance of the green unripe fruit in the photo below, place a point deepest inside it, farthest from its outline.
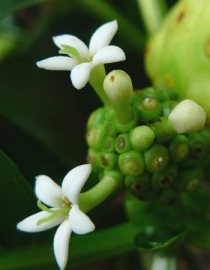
(138, 184)
(108, 144)
(95, 136)
(178, 148)
(143, 180)
(150, 195)
(169, 196)
(196, 146)
(141, 138)
(165, 178)
(159, 94)
(131, 163)
(150, 104)
(168, 106)
(162, 129)
(96, 117)
(110, 128)
(148, 108)
(205, 135)
(189, 179)
(196, 151)
(137, 95)
(156, 158)
(91, 156)
(107, 160)
(122, 143)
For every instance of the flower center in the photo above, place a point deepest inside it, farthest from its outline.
(66, 202)
(90, 57)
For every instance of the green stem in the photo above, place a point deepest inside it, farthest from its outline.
(96, 195)
(96, 80)
(164, 261)
(153, 12)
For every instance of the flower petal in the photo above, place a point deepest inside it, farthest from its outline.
(102, 36)
(57, 63)
(61, 243)
(48, 191)
(80, 222)
(74, 181)
(29, 224)
(73, 42)
(80, 75)
(108, 54)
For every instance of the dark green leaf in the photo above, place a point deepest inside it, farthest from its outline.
(83, 249)
(16, 200)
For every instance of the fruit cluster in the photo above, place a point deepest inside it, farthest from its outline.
(156, 162)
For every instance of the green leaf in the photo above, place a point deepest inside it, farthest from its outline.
(9, 6)
(16, 200)
(146, 243)
(83, 249)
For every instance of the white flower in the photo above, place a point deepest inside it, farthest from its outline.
(82, 60)
(65, 210)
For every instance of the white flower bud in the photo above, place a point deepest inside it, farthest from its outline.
(187, 117)
(118, 87)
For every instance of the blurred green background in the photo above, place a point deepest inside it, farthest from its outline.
(43, 117)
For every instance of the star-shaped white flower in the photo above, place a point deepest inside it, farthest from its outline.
(65, 210)
(82, 60)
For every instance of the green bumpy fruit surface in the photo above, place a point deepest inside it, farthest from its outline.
(178, 56)
(157, 163)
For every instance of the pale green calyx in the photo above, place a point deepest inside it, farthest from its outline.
(118, 87)
(187, 117)
(66, 49)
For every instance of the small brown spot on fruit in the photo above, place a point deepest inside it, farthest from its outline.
(181, 16)
(112, 78)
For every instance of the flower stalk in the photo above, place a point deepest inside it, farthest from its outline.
(96, 80)
(96, 195)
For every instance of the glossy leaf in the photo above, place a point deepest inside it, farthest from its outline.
(83, 249)
(16, 199)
